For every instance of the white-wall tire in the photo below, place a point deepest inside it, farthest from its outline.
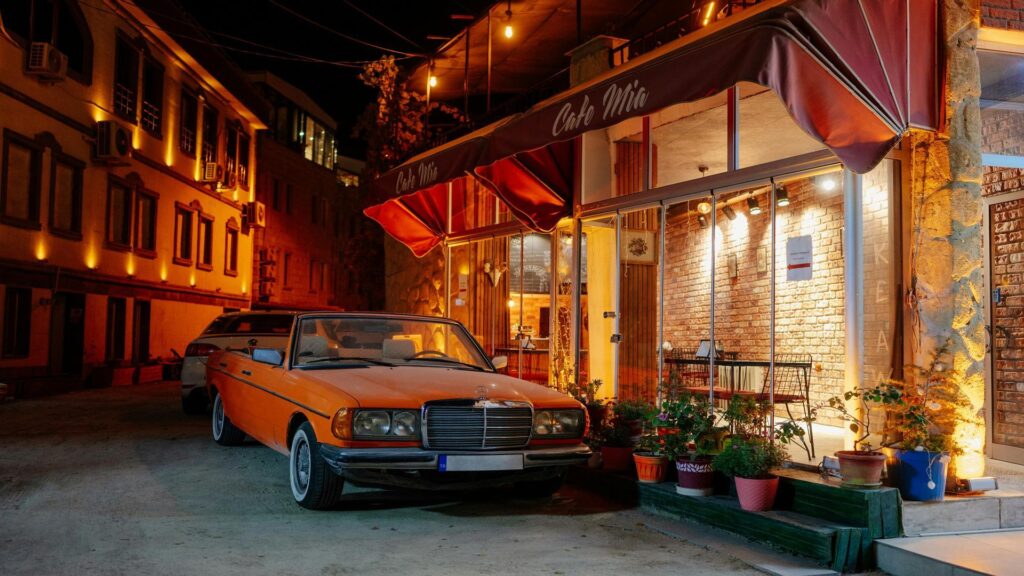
(314, 485)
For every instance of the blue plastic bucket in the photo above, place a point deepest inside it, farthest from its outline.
(922, 475)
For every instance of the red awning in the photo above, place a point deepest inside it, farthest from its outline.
(418, 220)
(854, 74)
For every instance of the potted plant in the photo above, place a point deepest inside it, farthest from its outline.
(693, 443)
(633, 413)
(927, 408)
(750, 461)
(862, 466)
(586, 394)
(616, 445)
(650, 460)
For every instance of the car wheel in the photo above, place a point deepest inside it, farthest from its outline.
(195, 403)
(224, 432)
(313, 484)
(540, 488)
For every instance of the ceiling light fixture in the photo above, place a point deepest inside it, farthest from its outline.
(781, 196)
(508, 22)
(729, 212)
(702, 220)
(704, 207)
(827, 183)
(753, 207)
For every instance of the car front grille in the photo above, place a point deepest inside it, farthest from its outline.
(479, 425)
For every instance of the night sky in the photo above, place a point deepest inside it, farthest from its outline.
(268, 37)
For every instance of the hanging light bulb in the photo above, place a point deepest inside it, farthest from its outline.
(753, 207)
(781, 196)
(508, 23)
(432, 81)
(708, 13)
(704, 208)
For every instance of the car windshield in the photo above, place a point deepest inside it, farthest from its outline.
(252, 324)
(335, 340)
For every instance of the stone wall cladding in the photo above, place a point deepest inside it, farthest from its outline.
(413, 285)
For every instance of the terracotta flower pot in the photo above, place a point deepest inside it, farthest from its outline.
(861, 469)
(757, 494)
(695, 477)
(616, 458)
(650, 469)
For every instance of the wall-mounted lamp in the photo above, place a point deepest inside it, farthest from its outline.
(702, 220)
(508, 21)
(704, 207)
(781, 196)
(753, 207)
(729, 212)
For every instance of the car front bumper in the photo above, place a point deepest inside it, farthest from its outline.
(343, 459)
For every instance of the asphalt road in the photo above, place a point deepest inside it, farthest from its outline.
(119, 481)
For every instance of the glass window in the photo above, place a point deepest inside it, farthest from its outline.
(209, 134)
(243, 161)
(1002, 104)
(145, 241)
(204, 253)
(189, 120)
(690, 140)
(231, 250)
(152, 97)
(183, 216)
(126, 79)
(22, 165)
(116, 324)
(287, 269)
(57, 22)
(17, 322)
(119, 214)
(766, 130)
(251, 324)
(66, 204)
(475, 206)
(230, 155)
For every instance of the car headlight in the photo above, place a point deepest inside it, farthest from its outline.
(372, 423)
(385, 424)
(403, 424)
(558, 423)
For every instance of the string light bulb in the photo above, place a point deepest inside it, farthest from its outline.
(432, 81)
(508, 23)
(709, 12)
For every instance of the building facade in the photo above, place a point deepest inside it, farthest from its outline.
(644, 230)
(128, 167)
(312, 207)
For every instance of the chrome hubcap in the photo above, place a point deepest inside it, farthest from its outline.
(218, 418)
(302, 466)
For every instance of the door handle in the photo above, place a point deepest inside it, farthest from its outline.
(223, 364)
(246, 373)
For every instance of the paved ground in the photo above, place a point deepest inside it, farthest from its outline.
(119, 481)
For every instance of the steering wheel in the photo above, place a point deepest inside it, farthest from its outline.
(437, 353)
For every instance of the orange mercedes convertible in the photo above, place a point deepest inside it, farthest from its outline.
(393, 400)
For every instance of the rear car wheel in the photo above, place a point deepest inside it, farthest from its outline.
(224, 432)
(313, 484)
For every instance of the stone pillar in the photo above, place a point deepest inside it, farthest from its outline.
(413, 285)
(946, 259)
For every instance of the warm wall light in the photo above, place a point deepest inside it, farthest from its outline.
(511, 303)
(827, 183)
(704, 208)
(702, 220)
(40, 251)
(753, 207)
(781, 196)
(508, 23)
(708, 13)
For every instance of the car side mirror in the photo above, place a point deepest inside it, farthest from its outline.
(271, 356)
(500, 362)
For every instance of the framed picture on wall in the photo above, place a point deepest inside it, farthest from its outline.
(762, 259)
(733, 266)
(638, 247)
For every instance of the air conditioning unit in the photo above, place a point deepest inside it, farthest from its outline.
(255, 215)
(113, 142)
(46, 62)
(212, 172)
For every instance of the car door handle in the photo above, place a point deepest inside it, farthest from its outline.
(246, 373)
(223, 364)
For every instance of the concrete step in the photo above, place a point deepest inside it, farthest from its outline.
(998, 509)
(995, 553)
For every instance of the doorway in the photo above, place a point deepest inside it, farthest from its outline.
(67, 333)
(1005, 254)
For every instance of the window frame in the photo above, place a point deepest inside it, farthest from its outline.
(140, 249)
(187, 97)
(204, 243)
(132, 115)
(213, 139)
(231, 237)
(8, 350)
(243, 159)
(78, 169)
(149, 65)
(109, 242)
(35, 180)
(82, 76)
(180, 208)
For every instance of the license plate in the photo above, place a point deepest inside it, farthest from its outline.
(481, 463)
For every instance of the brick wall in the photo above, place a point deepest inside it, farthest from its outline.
(1007, 14)
(1007, 236)
(809, 314)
